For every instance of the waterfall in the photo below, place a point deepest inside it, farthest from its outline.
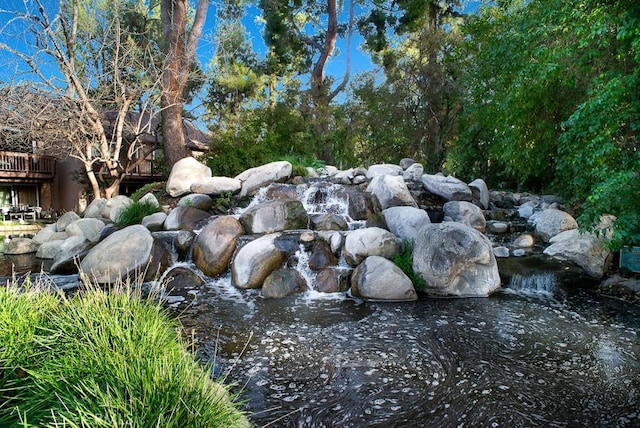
(545, 283)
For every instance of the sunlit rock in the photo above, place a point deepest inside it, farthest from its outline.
(185, 218)
(480, 193)
(261, 176)
(371, 241)
(391, 191)
(184, 173)
(377, 278)
(405, 222)
(255, 261)
(216, 244)
(551, 222)
(216, 186)
(275, 216)
(584, 249)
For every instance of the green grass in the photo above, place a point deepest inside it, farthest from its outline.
(404, 260)
(135, 212)
(102, 359)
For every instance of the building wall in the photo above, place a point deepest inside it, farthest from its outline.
(66, 193)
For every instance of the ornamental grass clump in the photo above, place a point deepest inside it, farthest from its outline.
(102, 358)
(135, 212)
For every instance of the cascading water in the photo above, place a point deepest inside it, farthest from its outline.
(544, 283)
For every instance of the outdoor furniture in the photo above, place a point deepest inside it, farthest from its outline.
(20, 212)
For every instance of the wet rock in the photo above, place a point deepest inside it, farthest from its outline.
(377, 278)
(180, 278)
(455, 260)
(391, 191)
(321, 256)
(332, 280)
(283, 283)
(448, 188)
(216, 244)
(255, 261)
(497, 227)
(524, 241)
(185, 173)
(89, 228)
(404, 222)
(184, 240)
(584, 249)
(129, 252)
(329, 221)
(216, 186)
(465, 213)
(185, 218)
(255, 178)
(551, 222)
(501, 252)
(21, 246)
(275, 216)
(371, 241)
(65, 220)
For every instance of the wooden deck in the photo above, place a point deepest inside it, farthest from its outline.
(15, 166)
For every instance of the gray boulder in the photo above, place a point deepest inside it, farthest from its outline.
(275, 216)
(217, 186)
(455, 260)
(127, 253)
(254, 179)
(154, 222)
(383, 169)
(94, 210)
(405, 163)
(183, 242)
(45, 234)
(448, 188)
(182, 278)
(184, 173)
(551, 222)
(413, 172)
(113, 207)
(65, 220)
(377, 278)
(480, 193)
(70, 252)
(321, 256)
(584, 249)
(255, 261)
(525, 240)
(391, 191)
(89, 228)
(20, 246)
(405, 222)
(216, 244)
(185, 218)
(196, 200)
(466, 213)
(49, 249)
(371, 241)
(329, 221)
(283, 283)
(150, 199)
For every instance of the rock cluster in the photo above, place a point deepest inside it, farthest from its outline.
(293, 237)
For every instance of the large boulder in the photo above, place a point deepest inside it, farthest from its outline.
(45, 234)
(383, 169)
(185, 218)
(254, 179)
(94, 210)
(405, 222)
(455, 260)
(551, 222)
(332, 280)
(149, 199)
(480, 193)
(275, 216)
(70, 252)
(49, 249)
(114, 206)
(196, 200)
(371, 241)
(89, 228)
(182, 278)
(449, 188)
(255, 261)
(21, 246)
(391, 191)
(216, 244)
(584, 249)
(217, 186)
(377, 278)
(414, 172)
(65, 220)
(283, 283)
(465, 213)
(321, 256)
(184, 173)
(126, 253)
(154, 222)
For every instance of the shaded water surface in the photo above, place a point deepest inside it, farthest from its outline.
(518, 358)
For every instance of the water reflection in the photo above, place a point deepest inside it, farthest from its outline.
(510, 360)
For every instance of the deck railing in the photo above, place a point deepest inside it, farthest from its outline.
(26, 165)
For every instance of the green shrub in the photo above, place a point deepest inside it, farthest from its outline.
(102, 358)
(404, 260)
(135, 212)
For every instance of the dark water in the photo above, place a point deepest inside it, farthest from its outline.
(527, 357)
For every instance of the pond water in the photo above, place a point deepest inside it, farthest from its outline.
(533, 354)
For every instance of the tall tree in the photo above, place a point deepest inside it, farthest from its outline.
(181, 41)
